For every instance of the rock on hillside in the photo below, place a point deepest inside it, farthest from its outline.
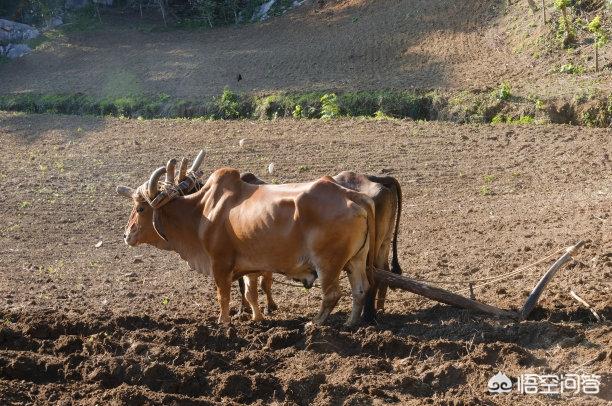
(11, 31)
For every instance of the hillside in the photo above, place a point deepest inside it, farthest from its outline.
(346, 45)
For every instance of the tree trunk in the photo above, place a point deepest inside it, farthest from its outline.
(163, 11)
(569, 35)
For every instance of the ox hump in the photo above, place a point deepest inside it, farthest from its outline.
(225, 176)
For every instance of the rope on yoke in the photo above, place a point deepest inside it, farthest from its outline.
(171, 191)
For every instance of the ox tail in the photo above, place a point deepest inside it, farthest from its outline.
(369, 310)
(395, 266)
(371, 232)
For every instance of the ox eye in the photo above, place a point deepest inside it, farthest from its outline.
(140, 209)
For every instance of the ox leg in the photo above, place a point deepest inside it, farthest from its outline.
(223, 280)
(251, 295)
(369, 309)
(382, 292)
(266, 285)
(356, 269)
(331, 295)
(244, 304)
(372, 304)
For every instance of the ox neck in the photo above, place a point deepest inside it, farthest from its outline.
(181, 219)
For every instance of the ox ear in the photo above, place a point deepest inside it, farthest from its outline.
(158, 224)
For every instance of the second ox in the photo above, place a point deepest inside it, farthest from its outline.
(386, 193)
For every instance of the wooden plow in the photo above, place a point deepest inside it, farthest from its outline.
(454, 299)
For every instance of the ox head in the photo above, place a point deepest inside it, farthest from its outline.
(145, 224)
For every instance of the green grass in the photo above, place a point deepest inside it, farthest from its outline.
(229, 105)
(521, 120)
(381, 105)
(82, 20)
(504, 91)
(43, 38)
(571, 69)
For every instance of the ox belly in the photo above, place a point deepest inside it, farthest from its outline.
(302, 271)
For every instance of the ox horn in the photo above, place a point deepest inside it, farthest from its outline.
(170, 171)
(198, 161)
(183, 170)
(125, 191)
(152, 185)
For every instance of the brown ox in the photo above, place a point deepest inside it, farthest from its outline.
(230, 228)
(386, 193)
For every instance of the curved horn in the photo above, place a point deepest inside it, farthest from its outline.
(183, 170)
(152, 185)
(170, 171)
(125, 191)
(197, 162)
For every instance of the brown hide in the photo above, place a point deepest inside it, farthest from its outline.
(386, 194)
(230, 228)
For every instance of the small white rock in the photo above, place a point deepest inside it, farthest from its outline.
(271, 168)
(242, 142)
(98, 244)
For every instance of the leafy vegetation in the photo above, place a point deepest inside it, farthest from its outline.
(188, 14)
(329, 106)
(572, 69)
(480, 108)
(565, 31)
(600, 37)
(486, 189)
(503, 92)
(521, 120)
(33, 12)
(82, 20)
(297, 111)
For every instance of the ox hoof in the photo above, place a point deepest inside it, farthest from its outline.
(242, 316)
(225, 322)
(311, 325)
(271, 308)
(314, 323)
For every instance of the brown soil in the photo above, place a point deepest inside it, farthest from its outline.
(346, 45)
(120, 325)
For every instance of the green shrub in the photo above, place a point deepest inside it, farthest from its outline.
(359, 103)
(565, 28)
(498, 119)
(276, 105)
(81, 20)
(501, 118)
(526, 119)
(404, 104)
(329, 106)
(503, 92)
(297, 111)
(379, 115)
(232, 106)
(571, 69)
